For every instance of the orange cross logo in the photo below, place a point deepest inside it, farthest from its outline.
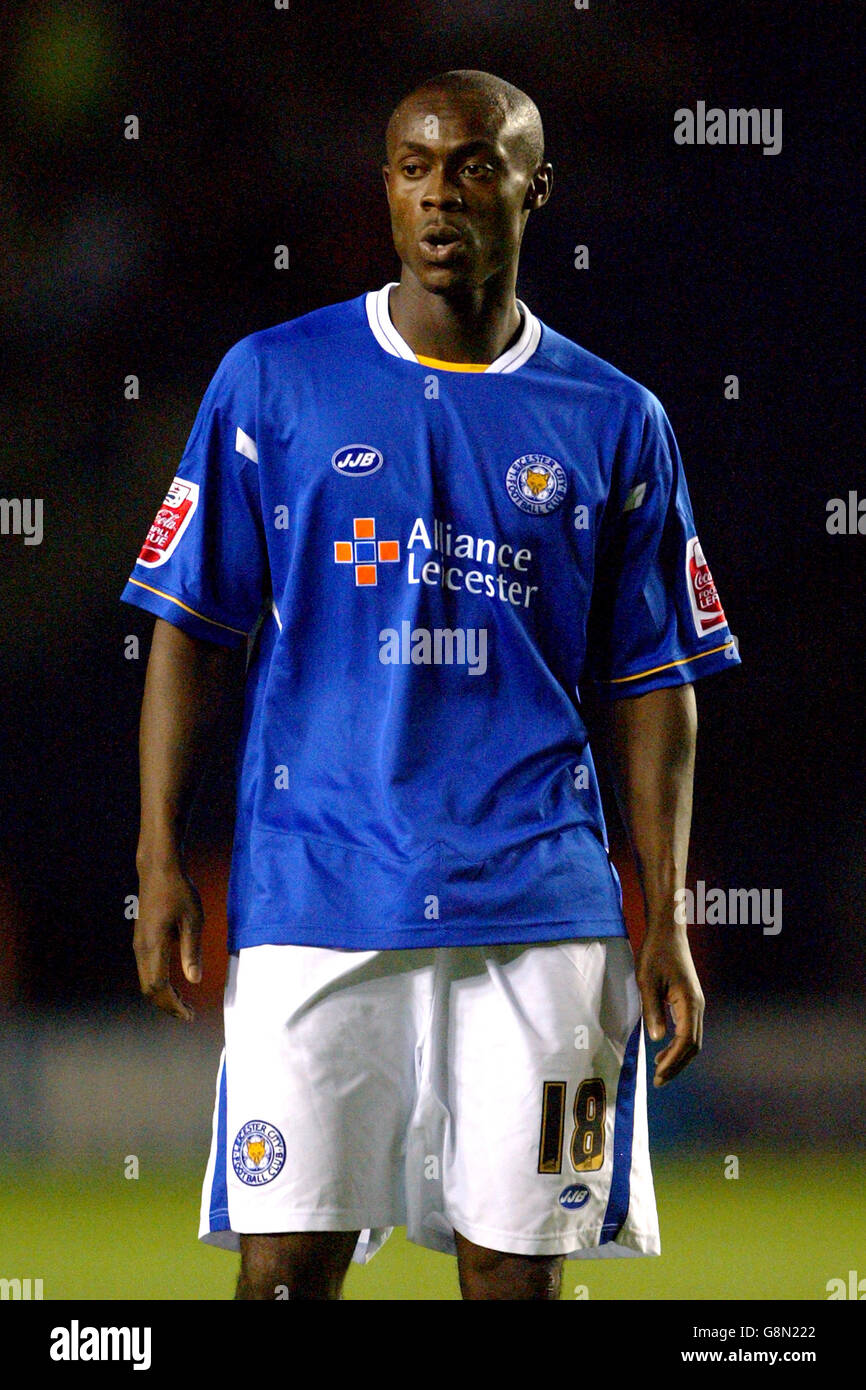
(364, 552)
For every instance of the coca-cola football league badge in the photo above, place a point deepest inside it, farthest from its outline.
(707, 610)
(170, 522)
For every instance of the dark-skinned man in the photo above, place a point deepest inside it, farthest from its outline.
(431, 519)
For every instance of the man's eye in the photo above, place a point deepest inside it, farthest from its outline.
(475, 169)
(410, 169)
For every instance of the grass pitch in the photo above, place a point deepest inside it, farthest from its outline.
(788, 1224)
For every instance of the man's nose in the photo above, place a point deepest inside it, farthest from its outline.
(440, 190)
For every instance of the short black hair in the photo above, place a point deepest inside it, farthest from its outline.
(498, 96)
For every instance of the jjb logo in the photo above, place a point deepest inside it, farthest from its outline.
(357, 460)
(574, 1196)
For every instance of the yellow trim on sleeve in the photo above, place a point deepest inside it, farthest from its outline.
(186, 607)
(684, 661)
(453, 366)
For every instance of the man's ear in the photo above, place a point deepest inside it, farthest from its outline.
(539, 188)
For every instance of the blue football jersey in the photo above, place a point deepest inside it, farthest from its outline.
(427, 565)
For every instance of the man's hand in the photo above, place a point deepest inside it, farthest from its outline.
(180, 715)
(652, 745)
(169, 910)
(666, 976)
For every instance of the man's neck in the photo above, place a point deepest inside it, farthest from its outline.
(475, 327)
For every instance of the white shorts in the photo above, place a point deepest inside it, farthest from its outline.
(499, 1091)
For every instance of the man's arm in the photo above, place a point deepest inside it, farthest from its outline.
(185, 682)
(652, 746)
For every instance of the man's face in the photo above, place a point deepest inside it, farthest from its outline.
(459, 189)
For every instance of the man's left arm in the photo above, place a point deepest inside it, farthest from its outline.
(652, 757)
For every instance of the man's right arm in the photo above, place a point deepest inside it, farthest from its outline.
(183, 695)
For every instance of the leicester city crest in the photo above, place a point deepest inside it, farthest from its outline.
(258, 1153)
(536, 483)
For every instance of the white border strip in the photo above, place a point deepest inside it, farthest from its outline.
(386, 335)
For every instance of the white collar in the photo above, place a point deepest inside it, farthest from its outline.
(386, 335)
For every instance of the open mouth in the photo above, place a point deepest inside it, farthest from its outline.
(441, 244)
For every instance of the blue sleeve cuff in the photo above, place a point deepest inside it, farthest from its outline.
(680, 671)
(174, 610)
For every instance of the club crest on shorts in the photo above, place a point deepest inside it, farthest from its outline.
(258, 1153)
(536, 483)
(574, 1196)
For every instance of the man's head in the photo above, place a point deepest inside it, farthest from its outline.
(465, 167)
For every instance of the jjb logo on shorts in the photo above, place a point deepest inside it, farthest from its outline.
(574, 1196)
(258, 1153)
(170, 522)
(536, 483)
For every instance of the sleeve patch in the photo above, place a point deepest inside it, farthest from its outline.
(635, 498)
(169, 524)
(707, 612)
(245, 445)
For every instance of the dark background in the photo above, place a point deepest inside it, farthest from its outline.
(260, 127)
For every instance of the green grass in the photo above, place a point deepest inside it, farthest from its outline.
(780, 1231)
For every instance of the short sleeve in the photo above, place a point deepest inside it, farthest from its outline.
(203, 565)
(656, 618)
